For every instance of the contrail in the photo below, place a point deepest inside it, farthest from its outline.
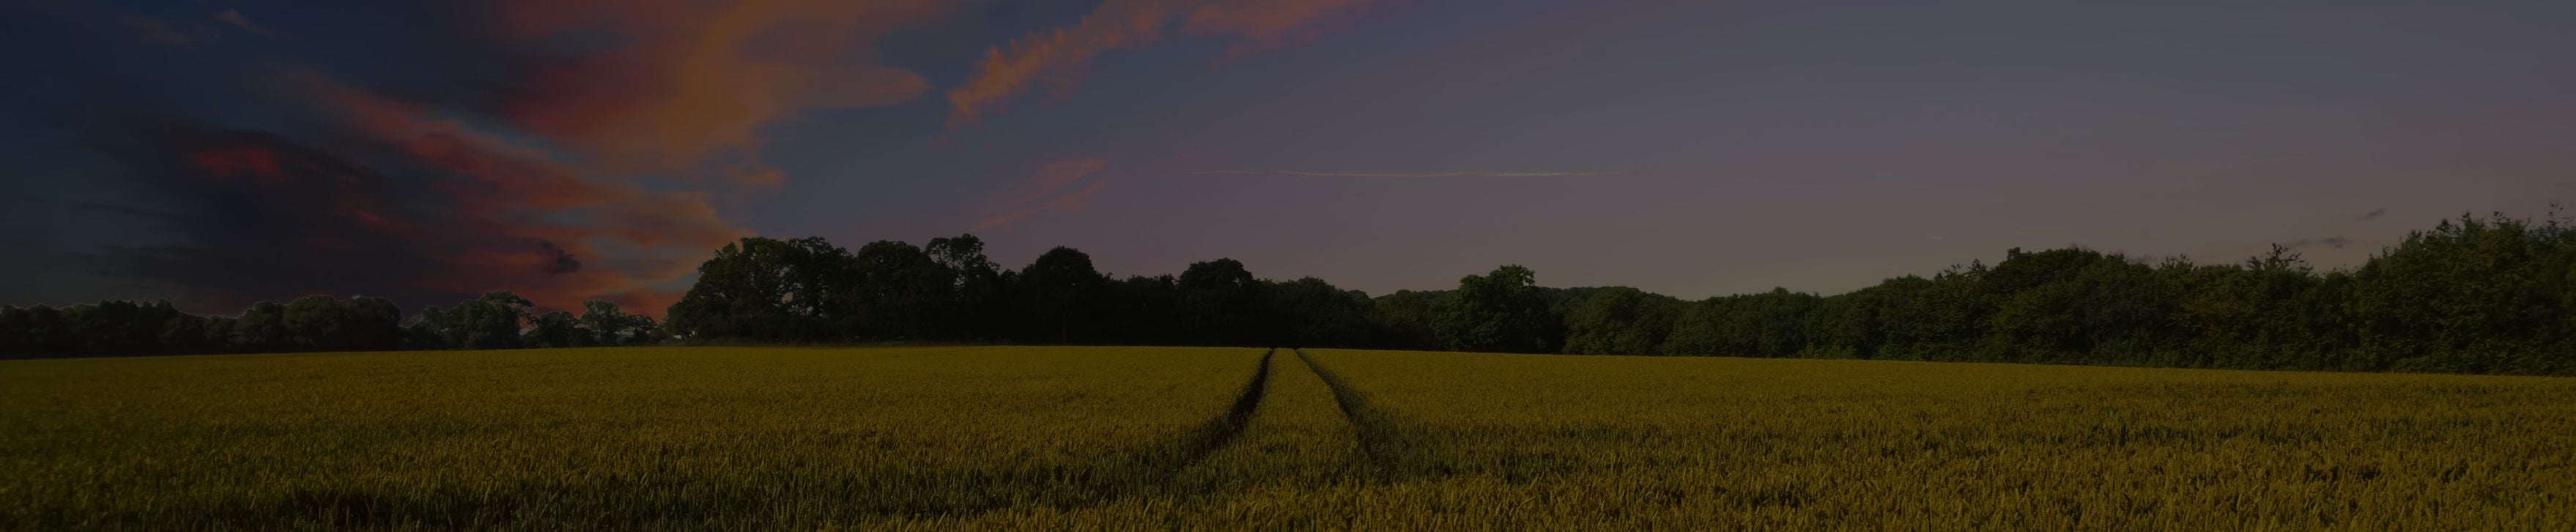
(1399, 175)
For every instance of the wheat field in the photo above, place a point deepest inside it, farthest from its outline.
(1228, 438)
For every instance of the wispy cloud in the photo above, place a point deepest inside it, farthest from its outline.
(128, 210)
(1056, 59)
(157, 31)
(1050, 179)
(2331, 241)
(1046, 192)
(1399, 175)
(2374, 214)
(235, 17)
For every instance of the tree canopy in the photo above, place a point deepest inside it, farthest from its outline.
(2471, 295)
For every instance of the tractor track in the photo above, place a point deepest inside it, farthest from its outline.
(1166, 463)
(1382, 443)
(1223, 429)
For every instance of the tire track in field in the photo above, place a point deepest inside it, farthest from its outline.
(1389, 451)
(1222, 430)
(1160, 465)
(1194, 447)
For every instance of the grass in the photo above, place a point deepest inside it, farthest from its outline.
(1177, 438)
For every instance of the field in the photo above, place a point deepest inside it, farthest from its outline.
(1228, 438)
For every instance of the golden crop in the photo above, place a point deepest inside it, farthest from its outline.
(1190, 438)
(593, 438)
(1577, 442)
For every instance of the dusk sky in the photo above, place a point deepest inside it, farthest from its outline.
(215, 153)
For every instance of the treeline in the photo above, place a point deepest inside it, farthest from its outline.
(497, 320)
(2471, 295)
(809, 291)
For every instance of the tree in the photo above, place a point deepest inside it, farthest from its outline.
(1221, 305)
(2478, 295)
(764, 289)
(186, 334)
(219, 334)
(36, 331)
(488, 322)
(552, 329)
(901, 292)
(641, 330)
(601, 323)
(262, 329)
(982, 308)
(1314, 313)
(1402, 320)
(1848, 325)
(1498, 312)
(117, 327)
(355, 324)
(2471, 295)
(2090, 308)
(1769, 324)
(428, 330)
(1620, 321)
(1143, 311)
(1062, 290)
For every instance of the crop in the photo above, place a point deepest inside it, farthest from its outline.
(1579, 442)
(594, 438)
(1198, 439)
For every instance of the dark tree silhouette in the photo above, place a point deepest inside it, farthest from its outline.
(2471, 295)
(1503, 311)
(1061, 290)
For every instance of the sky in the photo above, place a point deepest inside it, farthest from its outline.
(214, 152)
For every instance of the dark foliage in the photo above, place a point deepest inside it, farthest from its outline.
(2472, 295)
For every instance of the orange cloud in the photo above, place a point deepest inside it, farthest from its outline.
(551, 173)
(681, 90)
(1057, 58)
(518, 194)
(695, 80)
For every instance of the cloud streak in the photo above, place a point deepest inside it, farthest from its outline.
(157, 31)
(1399, 175)
(1045, 192)
(235, 17)
(2335, 242)
(1056, 60)
(1051, 178)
